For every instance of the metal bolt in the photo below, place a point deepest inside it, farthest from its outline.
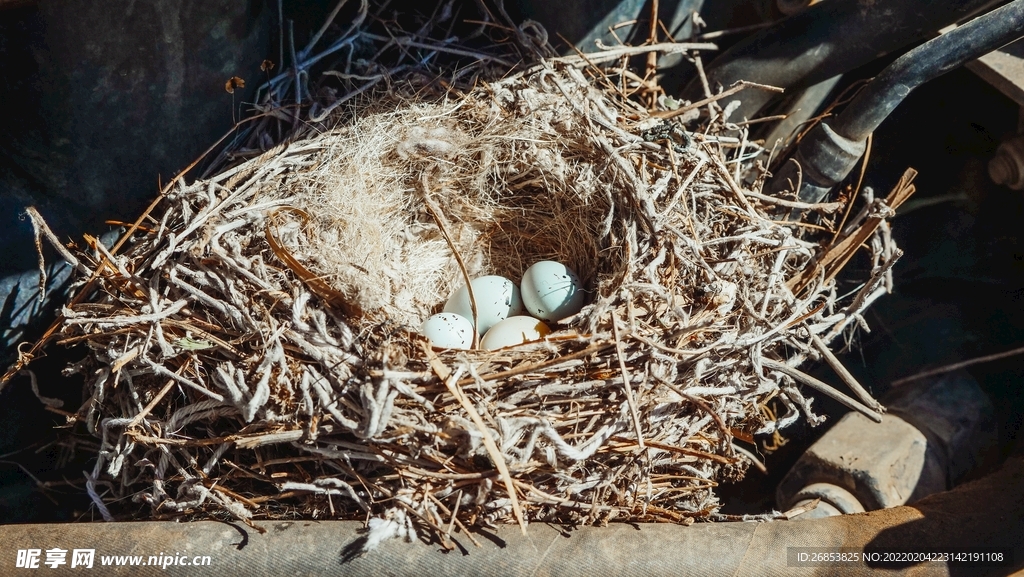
(1007, 166)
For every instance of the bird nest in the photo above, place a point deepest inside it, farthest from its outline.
(253, 350)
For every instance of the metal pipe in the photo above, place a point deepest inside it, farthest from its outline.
(830, 151)
(826, 39)
(930, 60)
(987, 513)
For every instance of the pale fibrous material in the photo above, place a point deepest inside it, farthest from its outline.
(254, 349)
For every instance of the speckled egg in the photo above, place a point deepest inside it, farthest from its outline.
(551, 291)
(514, 331)
(497, 298)
(448, 331)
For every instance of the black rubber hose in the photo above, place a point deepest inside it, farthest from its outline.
(830, 150)
(930, 60)
(826, 39)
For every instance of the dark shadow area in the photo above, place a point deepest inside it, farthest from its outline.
(112, 99)
(985, 516)
(40, 480)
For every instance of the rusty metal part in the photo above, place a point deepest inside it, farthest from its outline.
(1007, 166)
(826, 154)
(933, 436)
(882, 465)
(834, 500)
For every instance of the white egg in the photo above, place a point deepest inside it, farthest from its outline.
(448, 331)
(514, 331)
(497, 298)
(552, 291)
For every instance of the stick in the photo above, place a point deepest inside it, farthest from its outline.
(455, 518)
(838, 254)
(735, 188)
(442, 224)
(726, 432)
(822, 388)
(957, 366)
(441, 534)
(616, 53)
(149, 407)
(450, 381)
(845, 375)
(742, 84)
(652, 60)
(856, 190)
(592, 349)
(751, 457)
(626, 384)
(822, 206)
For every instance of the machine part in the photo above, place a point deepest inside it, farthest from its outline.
(934, 58)
(987, 513)
(799, 108)
(826, 39)
(1007, 166)
(822, 160)
(882, 465)
(933, 436)
(1004, 69)
(824, 156)
(584, 24)
(833, 500)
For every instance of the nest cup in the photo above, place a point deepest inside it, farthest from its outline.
(511, 190)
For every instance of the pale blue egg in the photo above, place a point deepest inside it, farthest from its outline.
(448, 331)
(551, 291)
(497, 298)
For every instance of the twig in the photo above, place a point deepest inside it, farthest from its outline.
(41, 229)
(856, 189)
(723, 170)
(327, 24)
(618, 52)
(839, 253)
(442, 225)
(626, 383)
(822, 388)
(822, 206)
(455, 519)
(737, 30)
(957, 366)
(152, 404)
(593, 349)
(752, 458)
(741, 85)
(845, 375)
(451, 382)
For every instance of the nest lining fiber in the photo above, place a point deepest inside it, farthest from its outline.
(253, 350)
